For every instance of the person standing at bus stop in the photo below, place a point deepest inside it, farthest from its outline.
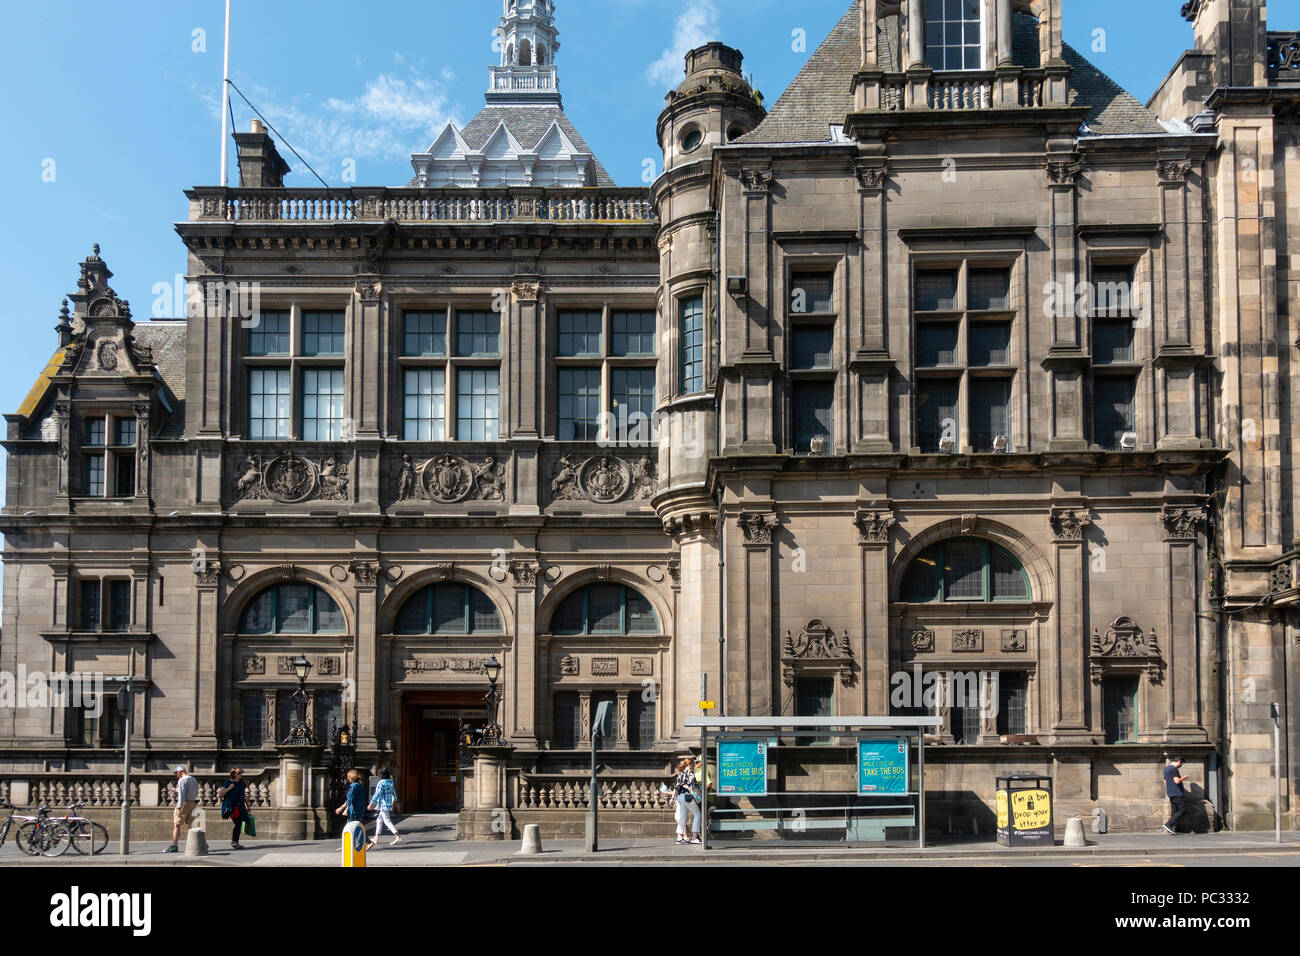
(1176, 793)
(685, 795)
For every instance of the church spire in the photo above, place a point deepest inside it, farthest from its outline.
(527, 39)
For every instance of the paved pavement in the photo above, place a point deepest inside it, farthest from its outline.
(430, 840)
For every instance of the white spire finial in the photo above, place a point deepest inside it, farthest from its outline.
(527, 41)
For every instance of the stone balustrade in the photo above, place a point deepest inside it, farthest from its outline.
(541, 792)
(950, 91)
(59, 790)
(411, 205)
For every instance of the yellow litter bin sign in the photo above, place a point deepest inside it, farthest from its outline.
(1024, 811)
(354, 846)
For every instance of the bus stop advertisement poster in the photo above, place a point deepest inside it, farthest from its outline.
(742, 767)
(882, 765)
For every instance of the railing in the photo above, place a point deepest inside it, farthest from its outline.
(508, 79)
(960, 92)
(59, 790)
(1284, 57)
(950, 91)
(571, 793)
(602, 205)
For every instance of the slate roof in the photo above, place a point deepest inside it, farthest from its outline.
(528, 124)
(167, 339)
(820, 96)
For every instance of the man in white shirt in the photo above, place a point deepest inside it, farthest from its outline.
(187, 798)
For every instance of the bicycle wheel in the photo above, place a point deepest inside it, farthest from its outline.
(46, 838)
(88, 837)
(23, 837)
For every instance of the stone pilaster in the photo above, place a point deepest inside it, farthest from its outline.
(874, 528)
(1182, 635)
(521, 722)
(1069, 525)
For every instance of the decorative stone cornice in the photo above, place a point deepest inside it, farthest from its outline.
(874, 526)
(1180, 523)
(871, 176)
(1069, 524)
(1174, 172)
(1125, 648)
(365, 573)
(207, 574)
(757, 181)
(757, 527)
(690, 522)
(370, 291)
(526, 291)
(1063, 173)
(524, 573)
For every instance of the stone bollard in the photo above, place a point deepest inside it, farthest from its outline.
(196, 843)
(1074, 832)
(532, 840)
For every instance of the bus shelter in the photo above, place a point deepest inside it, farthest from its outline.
(851, 780)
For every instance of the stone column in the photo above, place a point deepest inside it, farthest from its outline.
(143, 411)
(751, 685)
(525, 675)
(1069, 525)
(365, 576)
(874, 527)
(915, 33)
(1180, 640)
(524, 351)
(1066, 361)
(207, 584)
(1004, 33)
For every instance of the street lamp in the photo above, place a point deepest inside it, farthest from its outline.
(492, 733)
(301, 732)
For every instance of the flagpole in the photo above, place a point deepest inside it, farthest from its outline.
(225, 106)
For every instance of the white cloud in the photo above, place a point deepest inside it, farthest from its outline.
(397, 113)
(697, 25)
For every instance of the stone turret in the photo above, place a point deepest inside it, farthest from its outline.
(712, 106)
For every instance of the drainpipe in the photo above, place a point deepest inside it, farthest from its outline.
(717, 453)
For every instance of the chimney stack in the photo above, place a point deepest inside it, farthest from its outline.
(260, 164)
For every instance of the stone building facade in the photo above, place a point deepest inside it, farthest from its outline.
(960, 359)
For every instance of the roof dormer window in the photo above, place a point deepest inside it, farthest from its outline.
(954, 32)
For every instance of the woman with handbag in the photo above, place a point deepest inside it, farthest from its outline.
(686, 796)
(234, 805)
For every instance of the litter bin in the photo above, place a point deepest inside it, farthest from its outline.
(1024, 803)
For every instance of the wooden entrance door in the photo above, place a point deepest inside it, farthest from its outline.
(432, 728)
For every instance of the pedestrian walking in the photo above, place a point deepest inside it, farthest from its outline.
(354, 802)
(234, 805)
(1176, 793)
(187, 798)
(382, 803)
(686, 796)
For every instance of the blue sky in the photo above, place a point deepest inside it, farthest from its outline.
(121, 110)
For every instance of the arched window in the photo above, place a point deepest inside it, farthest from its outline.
(292, 609)
(541, 55)
(965, 569)
(605, 609)
(448, 608)
(525, 53)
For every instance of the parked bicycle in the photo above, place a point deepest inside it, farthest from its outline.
(39, 835)
(87, 836)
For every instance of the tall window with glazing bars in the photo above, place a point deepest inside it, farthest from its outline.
(690, 316)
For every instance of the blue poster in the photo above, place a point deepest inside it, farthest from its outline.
(742, 767)
(882, 765)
